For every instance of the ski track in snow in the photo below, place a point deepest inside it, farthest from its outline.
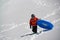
(14, 26)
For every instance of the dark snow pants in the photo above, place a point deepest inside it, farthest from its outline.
(34, 29)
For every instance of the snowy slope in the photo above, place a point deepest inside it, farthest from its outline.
(15, 15)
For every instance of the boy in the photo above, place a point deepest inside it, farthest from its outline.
(33, 23)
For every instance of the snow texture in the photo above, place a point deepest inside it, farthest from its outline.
(15, 15)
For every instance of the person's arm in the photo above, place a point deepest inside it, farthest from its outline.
(30, 26)
(30, 23)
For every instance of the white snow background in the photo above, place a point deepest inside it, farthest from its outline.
(15, 15)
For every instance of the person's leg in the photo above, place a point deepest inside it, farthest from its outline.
(34, 29)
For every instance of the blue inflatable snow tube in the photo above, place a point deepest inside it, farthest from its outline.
(45, 24)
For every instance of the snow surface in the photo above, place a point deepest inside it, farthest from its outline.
(15, 15)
